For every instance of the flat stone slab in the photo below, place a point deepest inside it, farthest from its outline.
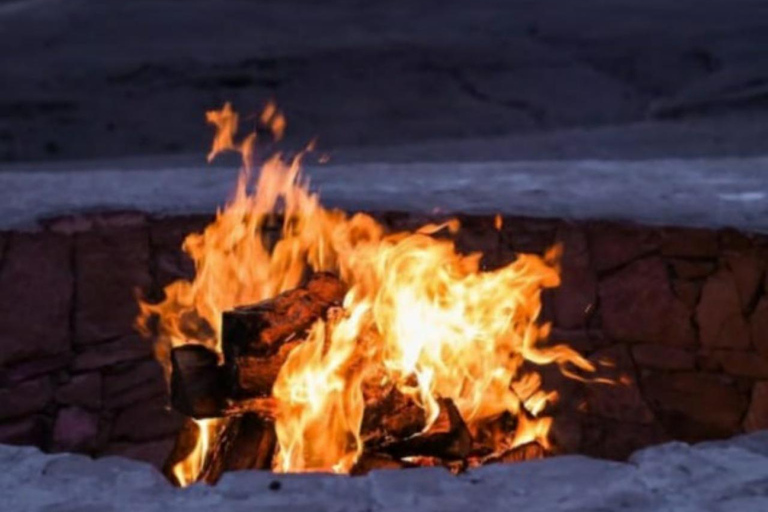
(724, 476)
(729, 192)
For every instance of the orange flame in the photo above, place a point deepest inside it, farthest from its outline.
(417, 312)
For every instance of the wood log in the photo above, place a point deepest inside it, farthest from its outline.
(198, 383)
(447, 438)
(375, 461)
(257, 339)
(246, 442)
(522, 453)
(186, 440)
(389, 416)
(264, 408)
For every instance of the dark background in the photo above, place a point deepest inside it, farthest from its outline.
(390, 79)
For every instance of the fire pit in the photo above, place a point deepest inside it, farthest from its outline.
(299, 338)
(314, 340)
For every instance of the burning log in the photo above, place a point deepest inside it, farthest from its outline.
(198, 383)
(245, 443)
(447, 438)
(390, 417)
(257, 339)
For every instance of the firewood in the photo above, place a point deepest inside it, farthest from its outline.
(186, 440)
(246, 442)
(261, 328)
(527, 451)
(252, 375)
(389, 416)
(257, 339)
(198, 384)
(375, 461)
(447, 438)
(264, 408)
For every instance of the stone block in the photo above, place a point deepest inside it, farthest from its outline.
(25, 398)
(758, 326)
(615, 245)
(616, 440)
(689, 243)
(692, 269)
(663, 357)
(133, 382)
(112, 267)
(689, 292)
(123, 350)
(638, 305)
(32, 368)
(167, 236)
(36, 286)
(620, 400)
(75, 430)
(747, 269)
(82, 390)
(574, 300)
(29, 431)
(151, 419)
(757, 415)
(695, 406)
(527, 235)
(719, 314)
(735, 363)
(153, 452)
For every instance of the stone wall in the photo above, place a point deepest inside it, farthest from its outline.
(680, 315)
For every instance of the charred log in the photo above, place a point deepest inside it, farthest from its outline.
(247, 442)
(198, 383)
(447, 438)
(186, 440)
(257, 339)
(261, 328)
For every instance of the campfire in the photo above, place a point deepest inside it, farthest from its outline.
(315, 340)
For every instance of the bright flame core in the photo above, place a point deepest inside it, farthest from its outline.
(418, 315)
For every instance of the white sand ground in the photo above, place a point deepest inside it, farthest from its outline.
(727, 476)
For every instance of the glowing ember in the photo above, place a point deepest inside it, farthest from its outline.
(418, 317)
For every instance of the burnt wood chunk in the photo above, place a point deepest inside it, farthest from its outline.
(198, 383)
(247, 442)
(390, 415)
(257, 339)
(255, 375)
(447, 438)
(522, 453)
(186, 440)
(375, 461)
(261, 328)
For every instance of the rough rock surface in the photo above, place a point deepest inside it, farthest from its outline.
(723, 476)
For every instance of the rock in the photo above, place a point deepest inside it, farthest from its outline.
(663, 357)
(112, 265)
(747, 270)
(689, 292)
(621, 400)
(616, 440)
(25, 398)
(35, 297)
(694, 406)
(735, 363)
(574, 300)
(758, 326)
(147, 420)
(757, 415)
(82, 390)
(692, 269)
(31, 431)
(638, 305)
(614, 245)
(123, 350)
(75, 430)
(167, 236)
(689, 243)
(719, 314)
(153, 452)
(34, 368)
(133, 382)
(527, 235)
